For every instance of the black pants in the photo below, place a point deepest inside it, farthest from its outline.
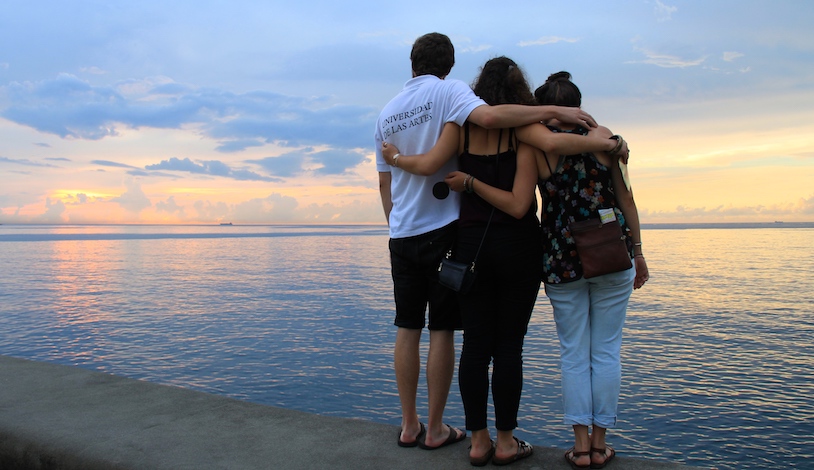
(496, 314)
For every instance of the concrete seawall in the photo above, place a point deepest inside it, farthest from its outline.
(62, 417)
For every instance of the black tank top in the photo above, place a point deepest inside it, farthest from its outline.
(496, 170)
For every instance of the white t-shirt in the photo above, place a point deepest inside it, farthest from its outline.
(413, 122)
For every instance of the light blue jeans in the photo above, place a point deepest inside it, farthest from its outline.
(590, 314)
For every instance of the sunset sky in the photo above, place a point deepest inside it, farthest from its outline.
(263, 112)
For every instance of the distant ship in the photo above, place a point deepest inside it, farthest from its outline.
(226, 223)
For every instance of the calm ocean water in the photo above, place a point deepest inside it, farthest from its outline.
(718, 355)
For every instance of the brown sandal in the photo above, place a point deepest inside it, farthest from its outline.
(603, 451)
(485, 458)
(524, 449)
(573, 455)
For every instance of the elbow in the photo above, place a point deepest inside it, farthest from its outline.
(518, 212)
(554, 145)
(489, 122)
(486, 117)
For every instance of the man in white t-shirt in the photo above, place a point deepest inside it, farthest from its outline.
(422, 214)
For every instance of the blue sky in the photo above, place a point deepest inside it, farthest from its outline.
(263, 112)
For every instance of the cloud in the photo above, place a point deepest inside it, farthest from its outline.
(71, 108)
(327, 162)
(666, 60)
(93, 70)
(473, 49)
(54, 213)
(279, 208)
(273, 207)
(169, 206)
(731, 56)
(664, 12)
(547, 40)
(133, 200)
(336, 162)
(176, 164)
(286, 165)
(25, 162)
(210, 167)
(238, 145)
(109, 163)
(803, 208)
(209, 211)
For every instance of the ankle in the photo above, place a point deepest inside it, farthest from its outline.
(481, 438)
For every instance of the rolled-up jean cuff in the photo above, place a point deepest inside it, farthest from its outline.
(578, 420)
(608, 422)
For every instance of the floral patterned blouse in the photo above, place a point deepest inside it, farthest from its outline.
(577, 189)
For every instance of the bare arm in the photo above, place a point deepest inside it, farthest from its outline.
(515, 202)
(384, 189)
(558, 143)
(427, 163)
(624, 198)
(516, 115)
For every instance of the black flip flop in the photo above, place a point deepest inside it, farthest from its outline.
(415, 442)
(451, 439)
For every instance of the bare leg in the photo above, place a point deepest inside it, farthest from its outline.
(440, 367)
(582, 446)
(408, 365)
(598, 442)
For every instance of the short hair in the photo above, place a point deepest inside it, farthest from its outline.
(501, 81)
(432, 54)
(559, 90)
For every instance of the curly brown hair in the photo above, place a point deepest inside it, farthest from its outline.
(501, 81)
(432, 54)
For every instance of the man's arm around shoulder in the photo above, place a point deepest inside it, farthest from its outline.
(516, 115)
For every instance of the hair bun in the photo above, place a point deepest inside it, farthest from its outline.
(559, 76)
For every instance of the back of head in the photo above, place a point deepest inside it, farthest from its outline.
(559, 90)
(432, 54)
(501, 81)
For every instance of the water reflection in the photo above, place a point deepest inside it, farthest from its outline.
(717, 354)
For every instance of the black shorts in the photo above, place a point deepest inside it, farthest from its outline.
(414, 266)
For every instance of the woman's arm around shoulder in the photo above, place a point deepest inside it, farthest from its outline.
(560, 143)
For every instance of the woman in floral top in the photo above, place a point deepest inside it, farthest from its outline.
(589, 313)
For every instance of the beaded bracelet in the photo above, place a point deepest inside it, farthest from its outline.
(396, 160)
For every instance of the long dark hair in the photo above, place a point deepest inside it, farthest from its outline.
(502, 82)
(559, 90)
